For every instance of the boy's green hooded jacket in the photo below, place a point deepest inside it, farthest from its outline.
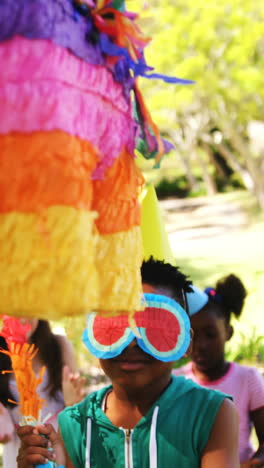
(173, 433)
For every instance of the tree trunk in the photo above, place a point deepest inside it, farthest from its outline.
(211, 188)
(255, 165)
(236, 166)
(219, 168)
(186, 163)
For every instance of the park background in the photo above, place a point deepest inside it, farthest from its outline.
(211, 186)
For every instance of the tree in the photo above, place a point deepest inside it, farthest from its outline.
(220, 45)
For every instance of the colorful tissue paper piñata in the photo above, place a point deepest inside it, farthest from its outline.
(69, 212)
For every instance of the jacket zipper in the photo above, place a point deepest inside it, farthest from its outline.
(128, 448)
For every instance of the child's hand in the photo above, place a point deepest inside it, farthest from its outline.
(4, 438)
(73, 386)
(6, 425)
(36, 449)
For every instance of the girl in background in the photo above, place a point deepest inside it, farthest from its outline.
(55, 352)
(211, 312)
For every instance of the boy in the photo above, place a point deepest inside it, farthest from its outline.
(146, 418)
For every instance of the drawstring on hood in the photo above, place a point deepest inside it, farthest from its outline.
(88, 443)
(153, 453)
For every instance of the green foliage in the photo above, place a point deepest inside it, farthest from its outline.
(177, 187)
(220, 45)
(249, 348)
(226, 184)
(236, 182)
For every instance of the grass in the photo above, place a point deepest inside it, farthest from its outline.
(233, 251)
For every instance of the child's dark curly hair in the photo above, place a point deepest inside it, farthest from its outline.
(160, 274)
(229, 294)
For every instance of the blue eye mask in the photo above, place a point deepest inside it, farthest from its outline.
(162, 330)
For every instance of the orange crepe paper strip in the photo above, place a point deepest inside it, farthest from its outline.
(53, 168)
(44, 169)
(116, 196)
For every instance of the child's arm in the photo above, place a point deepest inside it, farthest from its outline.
(257, 418)
(6, 425)
(73, 386)
(221, 450)
(34, 447)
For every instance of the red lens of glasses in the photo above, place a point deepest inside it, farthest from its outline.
(162, 328)
(108, 330)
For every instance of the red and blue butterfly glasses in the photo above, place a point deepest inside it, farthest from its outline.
(163, 331)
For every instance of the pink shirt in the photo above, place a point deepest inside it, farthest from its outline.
(246, 386)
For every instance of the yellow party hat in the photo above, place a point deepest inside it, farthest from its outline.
(155, 237)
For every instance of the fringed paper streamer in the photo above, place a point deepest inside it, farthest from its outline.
(121, 28)
(22, 355)
(27, 382)
(147, 125)
(123, 42)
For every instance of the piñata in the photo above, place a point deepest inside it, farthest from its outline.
(71, 117)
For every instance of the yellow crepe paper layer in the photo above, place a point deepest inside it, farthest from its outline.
(119, 258)
(55, 264)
